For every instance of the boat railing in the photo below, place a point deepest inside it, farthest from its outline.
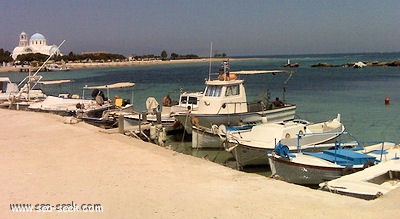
(236, 105)
(335, 144)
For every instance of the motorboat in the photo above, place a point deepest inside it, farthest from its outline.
(81, 107)
(313, 168)
(224, 102)
(188, 101)
(369, 183)
(251, 146)
(153, 115)
(11, 93)
(56, 67)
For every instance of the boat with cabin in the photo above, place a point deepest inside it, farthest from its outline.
(224, 101)
(188, 101)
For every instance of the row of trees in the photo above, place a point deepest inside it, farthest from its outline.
(5, 56)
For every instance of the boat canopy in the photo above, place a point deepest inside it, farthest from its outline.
(54, 82)
(5, 79)
(252, 72)
(111, 86)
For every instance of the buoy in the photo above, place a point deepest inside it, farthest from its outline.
(387, 101)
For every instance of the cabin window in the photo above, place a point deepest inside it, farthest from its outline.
(192, 100)
(213, 91)
(183, 99)
(232, 90)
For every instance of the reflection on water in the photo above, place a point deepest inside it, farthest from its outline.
(183, 144)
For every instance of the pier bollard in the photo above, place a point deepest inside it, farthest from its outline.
(121, 124)
(144, 116)
(158, 114)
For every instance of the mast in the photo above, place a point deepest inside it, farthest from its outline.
(40, 68)
(209, 68)
(28, 79)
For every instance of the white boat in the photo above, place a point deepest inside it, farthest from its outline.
(24, 93)
(66, 106)
(224, 101)
(82, 108)
(250, 147)
(188, 101)
(56, 67)
(10, 92)
(153, 115)
(312, 168)
(370, 183)
(7, 88)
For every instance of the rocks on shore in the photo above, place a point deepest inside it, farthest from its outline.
(395, 63)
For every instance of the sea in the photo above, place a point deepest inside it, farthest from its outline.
(320, 93)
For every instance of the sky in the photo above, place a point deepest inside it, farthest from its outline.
(235, 27)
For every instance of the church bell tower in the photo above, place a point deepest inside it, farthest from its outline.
(23, 40)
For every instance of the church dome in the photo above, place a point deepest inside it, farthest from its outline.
(37, 36)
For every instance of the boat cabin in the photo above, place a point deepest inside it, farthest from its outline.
(6, 86)
(187, 101)
(225, 94)
(223, 97)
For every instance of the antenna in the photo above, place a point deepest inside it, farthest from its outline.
(209, 68)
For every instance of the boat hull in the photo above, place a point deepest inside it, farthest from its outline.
(251, 156)
(304, 174)
(206, 121)
(169, 123)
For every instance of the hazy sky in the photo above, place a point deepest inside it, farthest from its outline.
(236, 27)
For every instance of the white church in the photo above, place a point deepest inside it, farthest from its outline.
(36, 44)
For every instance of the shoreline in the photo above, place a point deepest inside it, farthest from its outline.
(73, 66)
(59, 163)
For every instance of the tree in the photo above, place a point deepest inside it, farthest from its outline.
(29, 57)
(164, 55)
(5, 56)
(174, 56)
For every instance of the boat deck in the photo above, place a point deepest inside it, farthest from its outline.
(343, 157)
(369, 183)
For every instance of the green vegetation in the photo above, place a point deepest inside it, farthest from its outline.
(100, 56)
(175, 56)
(164, 55)
(5, 56)
(220, 55)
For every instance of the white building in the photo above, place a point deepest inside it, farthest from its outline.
(36, 44)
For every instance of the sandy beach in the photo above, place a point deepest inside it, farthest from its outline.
(45, 161)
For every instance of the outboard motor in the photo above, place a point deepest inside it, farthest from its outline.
(282, 150)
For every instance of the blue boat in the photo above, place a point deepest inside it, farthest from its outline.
(312, 168)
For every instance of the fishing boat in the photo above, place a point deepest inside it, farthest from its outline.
(153, 115)
(370, 183)
(23, 93)
(81, 107)
(312, 168)
(188, 101)
(224, 101)
(107, 114)
(251, 146)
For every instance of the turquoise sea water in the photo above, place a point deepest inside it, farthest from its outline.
(320, 93)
